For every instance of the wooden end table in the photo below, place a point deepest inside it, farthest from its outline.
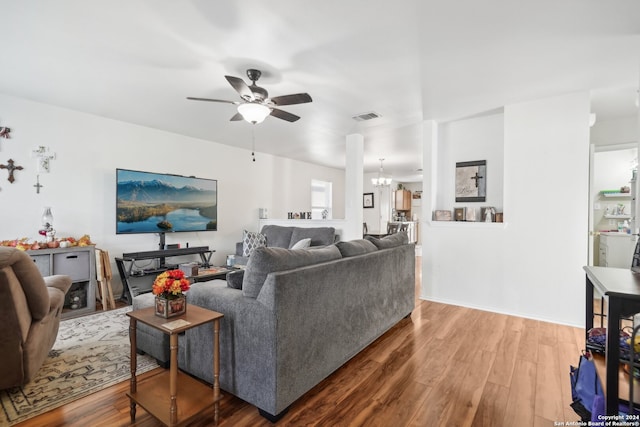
(187, 396)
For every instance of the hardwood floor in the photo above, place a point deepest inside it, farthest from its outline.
(445, 366)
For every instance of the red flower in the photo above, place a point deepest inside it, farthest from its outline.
(170, 283)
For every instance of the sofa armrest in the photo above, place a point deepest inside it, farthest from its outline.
(58, 281)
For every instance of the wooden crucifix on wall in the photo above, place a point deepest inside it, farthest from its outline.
(11, 167)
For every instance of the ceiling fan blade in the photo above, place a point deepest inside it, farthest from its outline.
(213, 100)
(241, 87)
(284, 115)
(298, 98)
(237, 117)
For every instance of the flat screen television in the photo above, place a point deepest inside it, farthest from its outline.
(148, 202)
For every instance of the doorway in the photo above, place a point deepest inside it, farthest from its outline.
(612, 226)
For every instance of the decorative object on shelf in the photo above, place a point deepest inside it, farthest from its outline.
(416, 195)
(487, 214)
(382, 180)
(4, 132)
(44, 158)
(460, 214)
(367, 200)
(65, 242)
(11, 167)
(471, 181)
(325, 214)
(625, 189)
(441, 215)
(499, 217)
(47, 225)
(470, 215)
(169, 288)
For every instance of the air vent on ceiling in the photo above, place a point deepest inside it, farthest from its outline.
(366, 116)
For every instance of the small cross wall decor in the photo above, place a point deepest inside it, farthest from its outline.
(11, 167)
(471, 181)
(37, 184)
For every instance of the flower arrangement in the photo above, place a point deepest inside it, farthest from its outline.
(171, 284)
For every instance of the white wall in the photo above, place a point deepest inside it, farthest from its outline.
(81, 186)
(480, 138)
(378, 216)
(530, 266)
(615, 131)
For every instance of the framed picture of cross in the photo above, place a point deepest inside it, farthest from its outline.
(471, 181)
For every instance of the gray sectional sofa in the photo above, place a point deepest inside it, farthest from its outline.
(293, 317)
(300, 315)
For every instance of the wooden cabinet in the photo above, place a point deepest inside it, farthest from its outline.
(403, 200)
(78, 262)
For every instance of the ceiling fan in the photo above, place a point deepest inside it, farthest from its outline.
(256, 105)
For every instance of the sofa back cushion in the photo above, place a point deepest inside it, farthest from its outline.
(320, 236)
(269, 259)
(391, 241)
(277, 236)
(355, 247)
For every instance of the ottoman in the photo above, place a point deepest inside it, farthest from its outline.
(149, 340)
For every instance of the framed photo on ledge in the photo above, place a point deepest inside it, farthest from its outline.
(367, 200)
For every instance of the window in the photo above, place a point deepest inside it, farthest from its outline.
(321, 197)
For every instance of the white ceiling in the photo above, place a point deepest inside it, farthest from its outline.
(408, 60)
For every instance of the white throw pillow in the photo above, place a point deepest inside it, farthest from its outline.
(252, 240)
(302, 244)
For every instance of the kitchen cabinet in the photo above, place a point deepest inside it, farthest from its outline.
(403, 200)
(616, 249)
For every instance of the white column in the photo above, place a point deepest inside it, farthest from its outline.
(429, 185)
(353, 187)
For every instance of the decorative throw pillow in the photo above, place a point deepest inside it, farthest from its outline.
(302, 244)
(252, 240)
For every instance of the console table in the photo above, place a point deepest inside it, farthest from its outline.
(622, 288)
(186, 396)
(138, 282)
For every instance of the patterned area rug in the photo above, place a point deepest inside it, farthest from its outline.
(91, 353)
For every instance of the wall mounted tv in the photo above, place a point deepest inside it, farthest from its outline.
(148, 202)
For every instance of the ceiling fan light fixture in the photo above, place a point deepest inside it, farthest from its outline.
(254, 113)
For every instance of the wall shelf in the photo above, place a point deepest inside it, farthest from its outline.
(467, 224)
(617, 216)
(616, 195)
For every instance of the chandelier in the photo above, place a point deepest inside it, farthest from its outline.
(381, 180)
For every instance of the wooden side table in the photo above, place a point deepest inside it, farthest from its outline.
(187, 396)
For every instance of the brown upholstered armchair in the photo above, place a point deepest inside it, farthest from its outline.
(30, 310)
